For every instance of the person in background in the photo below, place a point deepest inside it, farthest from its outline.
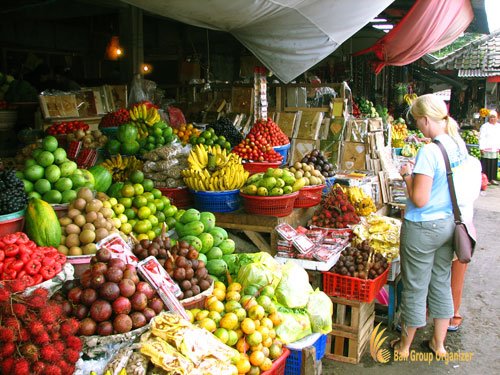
(428, 227)
(489, 144)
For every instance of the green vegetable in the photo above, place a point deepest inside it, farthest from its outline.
(320, 310)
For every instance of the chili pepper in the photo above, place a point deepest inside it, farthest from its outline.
(17, 265)
(37, 279)
(47, 261)
(9, 275)
(32, 267)
(11, 250)
(22, 238)
(9, 239)
(48, 272)
(2, 255)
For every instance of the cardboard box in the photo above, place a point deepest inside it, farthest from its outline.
(353, 156)
(287, 121)
(58, 106)
(310, 123)
(338, 107)
(375, 124)
(301, 147)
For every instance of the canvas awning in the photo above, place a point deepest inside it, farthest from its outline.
(287, 36)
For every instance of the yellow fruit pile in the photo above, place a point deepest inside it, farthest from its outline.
(121, 167)
(244, 322)
(363, 203)
(185, 131)
(212, 168)
(399, 132)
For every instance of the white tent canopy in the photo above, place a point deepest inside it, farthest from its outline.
(287, 36)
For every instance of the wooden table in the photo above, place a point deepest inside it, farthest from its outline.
(254, 225)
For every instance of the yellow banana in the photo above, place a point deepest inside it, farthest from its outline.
(132, 114)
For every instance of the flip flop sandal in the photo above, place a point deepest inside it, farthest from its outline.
(455, 327)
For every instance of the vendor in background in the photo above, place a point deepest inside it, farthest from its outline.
(489, 144)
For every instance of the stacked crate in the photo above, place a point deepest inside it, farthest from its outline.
(351, 330)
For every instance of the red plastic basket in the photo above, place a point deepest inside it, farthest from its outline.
(256, 167)
(279, 364)
(278, 206)
(12, 223)
(352, 288)
(309, 196)
(180, 197)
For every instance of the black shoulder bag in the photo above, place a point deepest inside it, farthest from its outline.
(464, 237)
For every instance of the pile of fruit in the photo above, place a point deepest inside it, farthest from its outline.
(90, 139)
(225, 127)
(160, 134)
(126, 142)
(185, 132)
(24, 264)
(274, 182)
(210, 138)
(109, 297)
(88, 221)
(12, 195)
(140, 209)
(269, 131)
(308, 172)
(361, 262)
(366, 108)
(144, 112)
(67, 127)
(320, 162)
(211, 242)
(37, 336)
(211, 168)
(399, 132)
(122, 167)
(50, 175)
(115, 119)
(336, 211)
(245, 320)
(362, 202)
(471, 137)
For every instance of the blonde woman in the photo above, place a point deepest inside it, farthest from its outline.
(427, 230)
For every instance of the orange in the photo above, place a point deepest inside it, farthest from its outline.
(208, 324)
(209, 300)
(229, 321)
(242, 345)
(266, 364)
(216, 306)
(266, 322)
(236, 287)
(220, 285)
(219, 293)
(267, 342)
(275, 318)
(257, 358)
(254, 338)
(247, 326)
(257, 348)
(243, 365)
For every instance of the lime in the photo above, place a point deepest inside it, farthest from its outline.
(156, 193)
(201, 140)
(159, 204)
(127, 202)
(170, 221)
(68, 196)
(206, 134)
(52, 196)
(141, 226)
(221, 138)
(59, 155)
(42, 186)
(136, 177)
(128, 191)
(45, 158)
(28, 186)
(227, 145)
(165, 200)
(50, 143)
(153, 220)
(152, 207)
(212, 131)
(209, 142)
(148, 184)
(129, 213)
(161, 216)
(63, 184)
(34, 173)
(144, 212)
(140, 201)
(34, 194)
(138, 189)
(160, 141)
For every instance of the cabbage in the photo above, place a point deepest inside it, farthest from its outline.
(295, 325)
(294, 288)
(263, 270)
(320, 310)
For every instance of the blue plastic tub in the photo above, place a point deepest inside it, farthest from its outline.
(329, 182)
(294, 360)
(217, 201)
(283, 151)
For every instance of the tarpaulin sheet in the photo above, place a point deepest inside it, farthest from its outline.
(287, 36)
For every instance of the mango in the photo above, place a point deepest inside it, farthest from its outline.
(193, 241)
(216, 267)
(227, 246)
(208, 220)
(193, 228)
(179, 228)
(214, 253)
(219, 235)
(190, 215)
(207, 242)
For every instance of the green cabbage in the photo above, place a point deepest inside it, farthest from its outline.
(294, 288)
(263, 271)
(294, 326)
(320, 310)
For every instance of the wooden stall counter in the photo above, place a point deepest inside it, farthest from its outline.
(254, 225)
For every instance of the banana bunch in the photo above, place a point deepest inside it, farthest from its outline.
(212, 168)
(142, 113)
(121, 167)
(363, 204)
(142, 129)
(410, 98)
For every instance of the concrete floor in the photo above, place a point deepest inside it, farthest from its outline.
(480, 332)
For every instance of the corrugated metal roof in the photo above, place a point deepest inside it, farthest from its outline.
(481, 58)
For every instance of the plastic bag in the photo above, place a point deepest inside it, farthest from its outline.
(295, 325)
(261, 271)
(294, 289)
(320, 310)
(137, 93)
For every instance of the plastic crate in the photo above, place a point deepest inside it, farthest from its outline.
(279, 364)
(329, 182)
(283, 151)
(278, 206)
(294, 360)
(256, 167)
(180, 197)
(12, 223)
(353, 288)
(217, 201)
(309, 196)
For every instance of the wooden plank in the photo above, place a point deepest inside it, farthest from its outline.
(318, 109)
(308, 360)
(259, 241)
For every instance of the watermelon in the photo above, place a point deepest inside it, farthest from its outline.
(127, 133)
(103, 178)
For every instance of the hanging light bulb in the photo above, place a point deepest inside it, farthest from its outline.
(114, 50)
(146, 68)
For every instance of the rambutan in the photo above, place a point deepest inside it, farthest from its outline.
(66, 368)
(49, 354)
(74, 342)
(52, 328)
(40, 292)
(69, 327)
(59, 346)
(7, 349)
(4, 294)
(7, 335)
(17, 285)
(52, 370)
(21, 367)
(38, 368)
(71, 355)
(48, 315)
(37, 302)
(19, 309)
(12, 323)
(30, 351)
(23, 335)
(6, 365)
(42, 338)
(55, 336)
(36, 328)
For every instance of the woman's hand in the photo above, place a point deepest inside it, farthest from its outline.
(406, 169)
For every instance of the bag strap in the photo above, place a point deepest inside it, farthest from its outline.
(451, 186)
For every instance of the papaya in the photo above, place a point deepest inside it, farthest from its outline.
(190, 215)
(214, 253)
(208, 220)
(216, 267)
(227, 246)
(42, 225)
(193, 241)
(219, 235)
(207, 242)
(193, 228)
